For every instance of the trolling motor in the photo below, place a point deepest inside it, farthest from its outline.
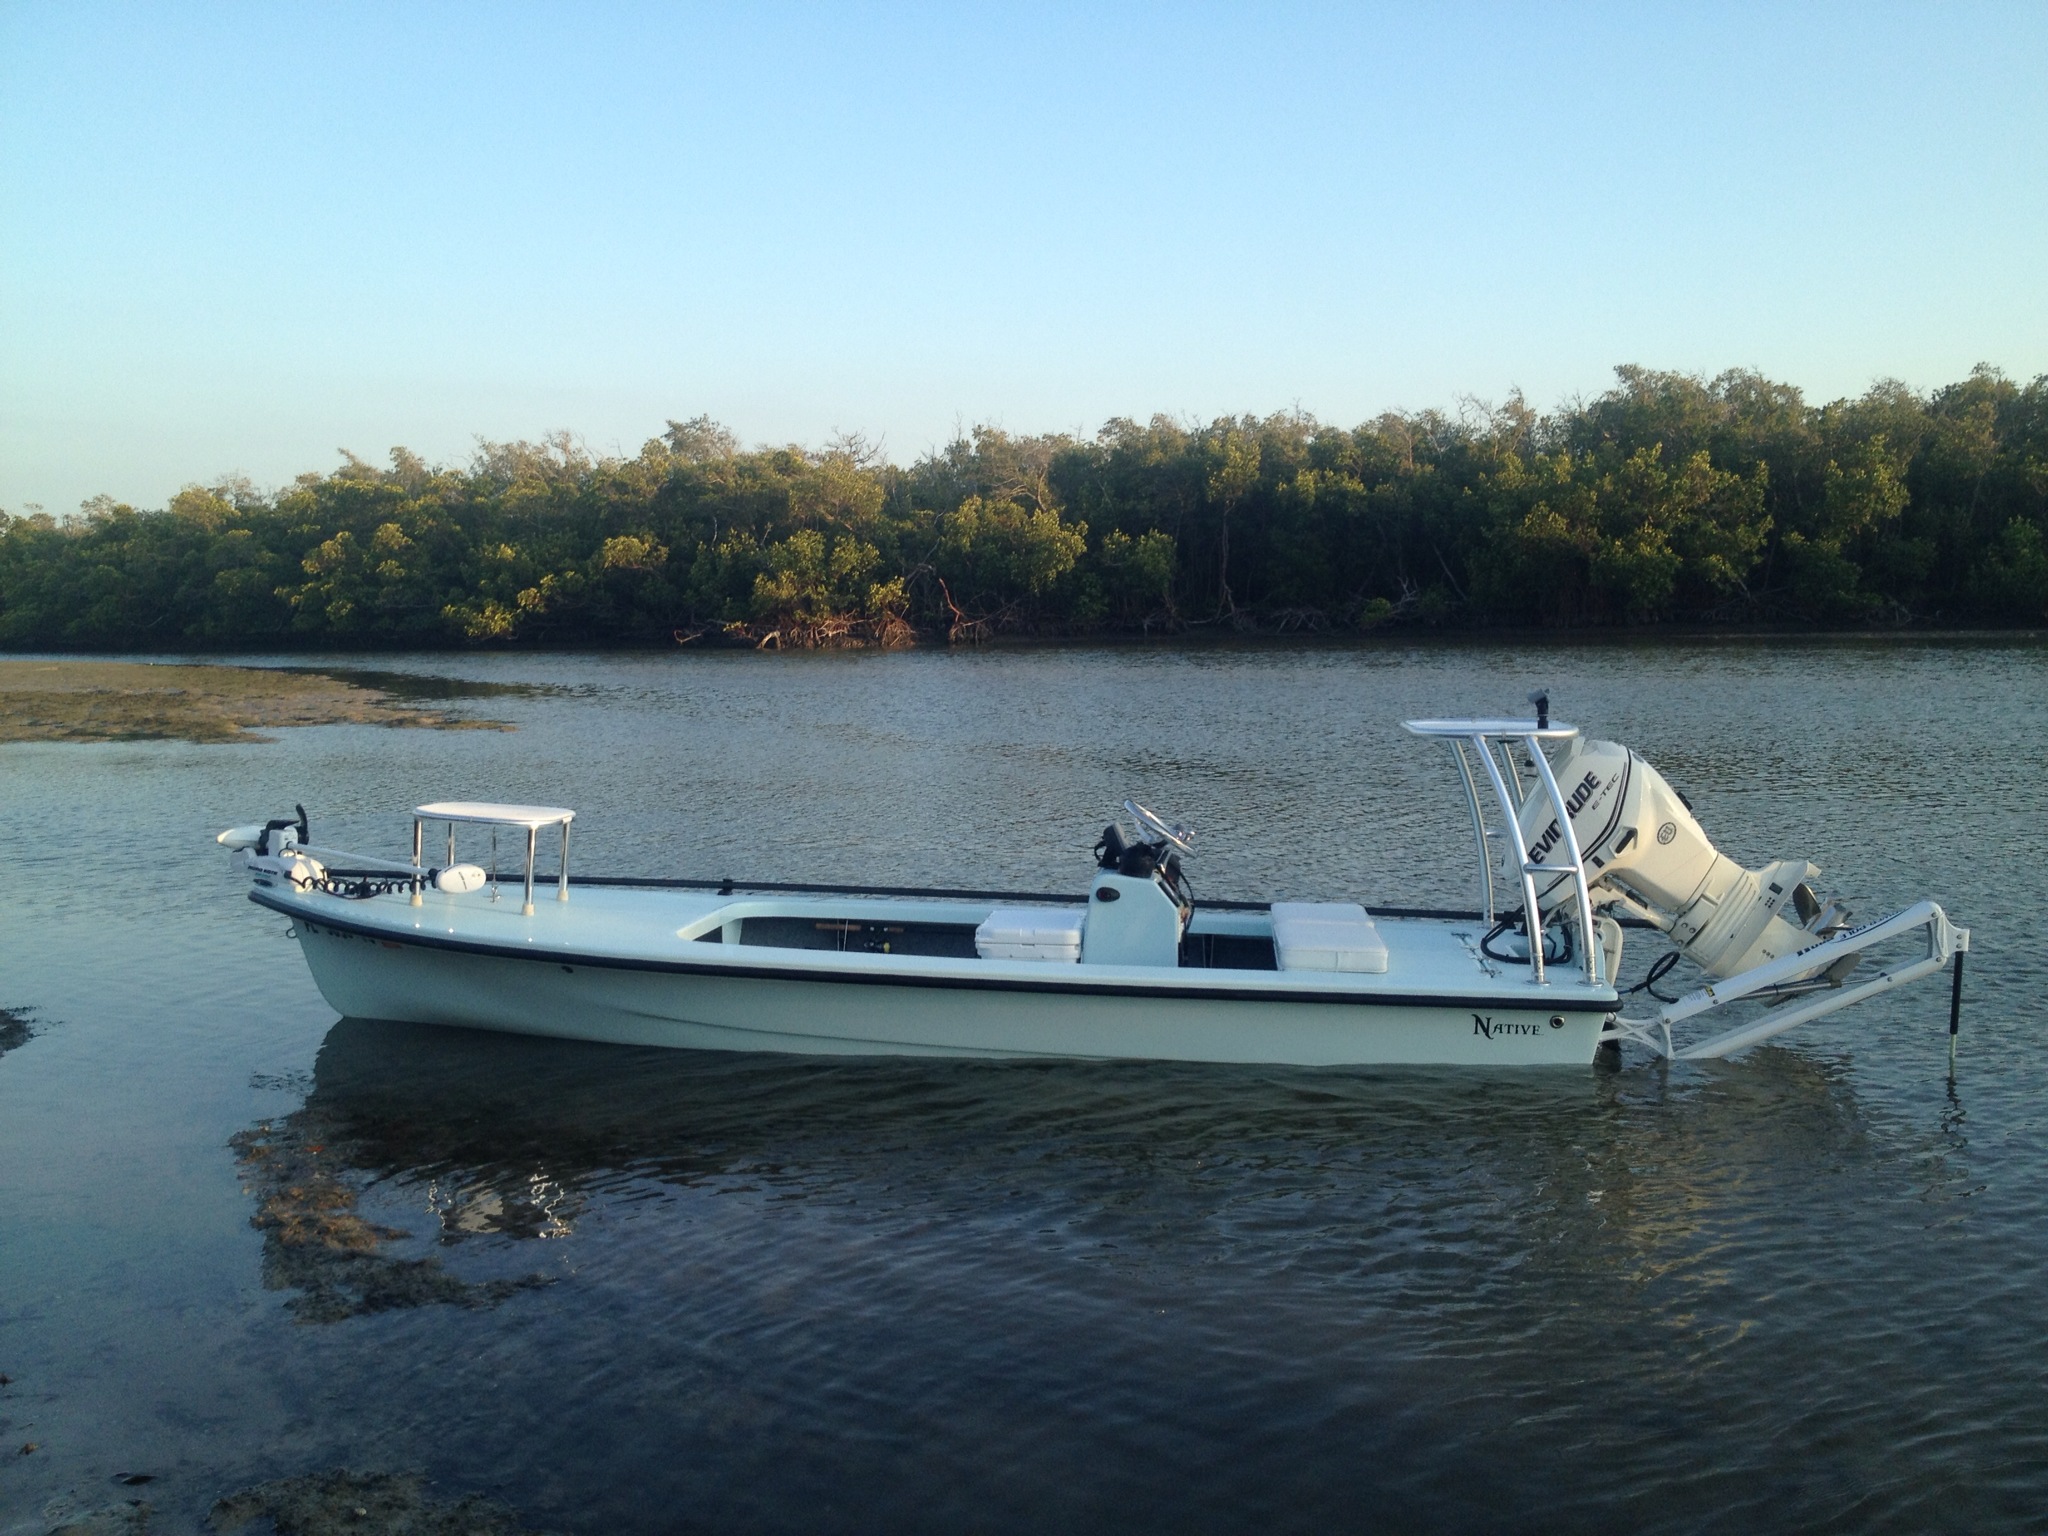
(273, 849)
(272, 837)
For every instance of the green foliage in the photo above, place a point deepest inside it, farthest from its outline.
(1597, 538)
(817, 589)
(1668, 498)
(2011, 582)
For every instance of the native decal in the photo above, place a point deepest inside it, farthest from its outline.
(1485, 1025)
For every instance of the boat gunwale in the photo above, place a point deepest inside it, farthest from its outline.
(730, 887)
(296, 909)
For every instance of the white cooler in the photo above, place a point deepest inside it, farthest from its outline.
(1326, 936)
(1031, 933)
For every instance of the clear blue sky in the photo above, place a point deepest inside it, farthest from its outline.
(237, 238)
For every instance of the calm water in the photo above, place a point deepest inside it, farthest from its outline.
(626, 1290)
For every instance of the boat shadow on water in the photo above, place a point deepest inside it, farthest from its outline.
(425, 1164)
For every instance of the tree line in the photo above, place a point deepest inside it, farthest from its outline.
(1669, 498)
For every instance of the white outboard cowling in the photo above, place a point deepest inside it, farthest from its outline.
(1642, 846)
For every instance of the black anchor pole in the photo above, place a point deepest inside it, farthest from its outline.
(1955, 1006)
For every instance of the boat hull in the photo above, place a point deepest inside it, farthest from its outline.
(704, 1008)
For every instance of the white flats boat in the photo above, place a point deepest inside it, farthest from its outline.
(1582, 838)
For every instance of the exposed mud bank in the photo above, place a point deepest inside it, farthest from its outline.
(139, 701)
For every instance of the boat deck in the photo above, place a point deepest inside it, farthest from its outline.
(916, 939)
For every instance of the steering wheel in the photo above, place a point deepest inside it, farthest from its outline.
(1180, 834)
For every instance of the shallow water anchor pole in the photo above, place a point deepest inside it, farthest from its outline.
(1955, 1004)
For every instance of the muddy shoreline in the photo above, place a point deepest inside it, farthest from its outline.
(79, 700)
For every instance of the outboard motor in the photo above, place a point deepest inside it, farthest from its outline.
(1642, 846)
